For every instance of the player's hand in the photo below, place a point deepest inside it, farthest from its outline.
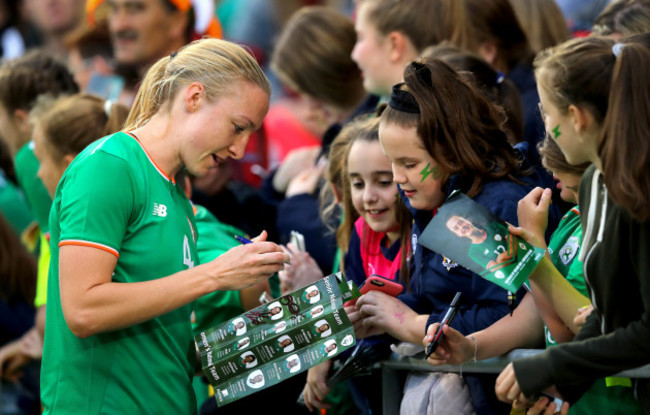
(454, 349)
(246, 265)
(316, 388)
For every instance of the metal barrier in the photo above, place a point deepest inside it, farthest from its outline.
(394, 372)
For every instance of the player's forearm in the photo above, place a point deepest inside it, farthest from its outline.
(110, 306)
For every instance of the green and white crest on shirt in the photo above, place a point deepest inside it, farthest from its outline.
(570, 249)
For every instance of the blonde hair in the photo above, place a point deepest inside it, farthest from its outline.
(215, 63)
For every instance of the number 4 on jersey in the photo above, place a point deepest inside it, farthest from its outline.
(187, 253)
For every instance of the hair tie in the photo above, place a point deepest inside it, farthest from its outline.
(403, 101)
(500, 77)
(173, 55)
(108, 105)
(617, 48)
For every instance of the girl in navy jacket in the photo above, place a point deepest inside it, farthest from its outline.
(442, 135)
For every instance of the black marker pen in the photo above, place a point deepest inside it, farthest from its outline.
(446, 320)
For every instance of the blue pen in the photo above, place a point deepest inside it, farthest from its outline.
(243, 240)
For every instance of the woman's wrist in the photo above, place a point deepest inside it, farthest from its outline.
(475, 353)
(207, 277)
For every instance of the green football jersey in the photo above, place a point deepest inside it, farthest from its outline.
(496, 242)
(563, 249)
(113, 197)
(39, 200)
(565, 243)
(214, 239)
(13, 205)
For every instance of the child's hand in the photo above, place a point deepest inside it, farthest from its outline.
(532, 211)
(544, 406)
(385, 314)
(454, 348)
(316, 388)
(302, 270)
(583, 312)
(306, 181)
(296, 161)
(507, 388)
(527, 236)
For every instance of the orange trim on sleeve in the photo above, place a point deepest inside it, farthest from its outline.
(90, 245)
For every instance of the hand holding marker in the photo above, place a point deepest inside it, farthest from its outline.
(446, 320)
(245, 241)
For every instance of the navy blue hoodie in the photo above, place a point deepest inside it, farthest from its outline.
(435, 280)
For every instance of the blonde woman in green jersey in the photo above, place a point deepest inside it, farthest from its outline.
(124, 261)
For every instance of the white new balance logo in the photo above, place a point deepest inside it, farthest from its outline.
(159, 210)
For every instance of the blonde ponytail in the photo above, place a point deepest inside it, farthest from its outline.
(215, 63)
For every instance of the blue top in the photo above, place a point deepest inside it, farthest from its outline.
(435, 280)
(300, 213)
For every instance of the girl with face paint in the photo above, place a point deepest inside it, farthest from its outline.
(440, 135)
(595, 97)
